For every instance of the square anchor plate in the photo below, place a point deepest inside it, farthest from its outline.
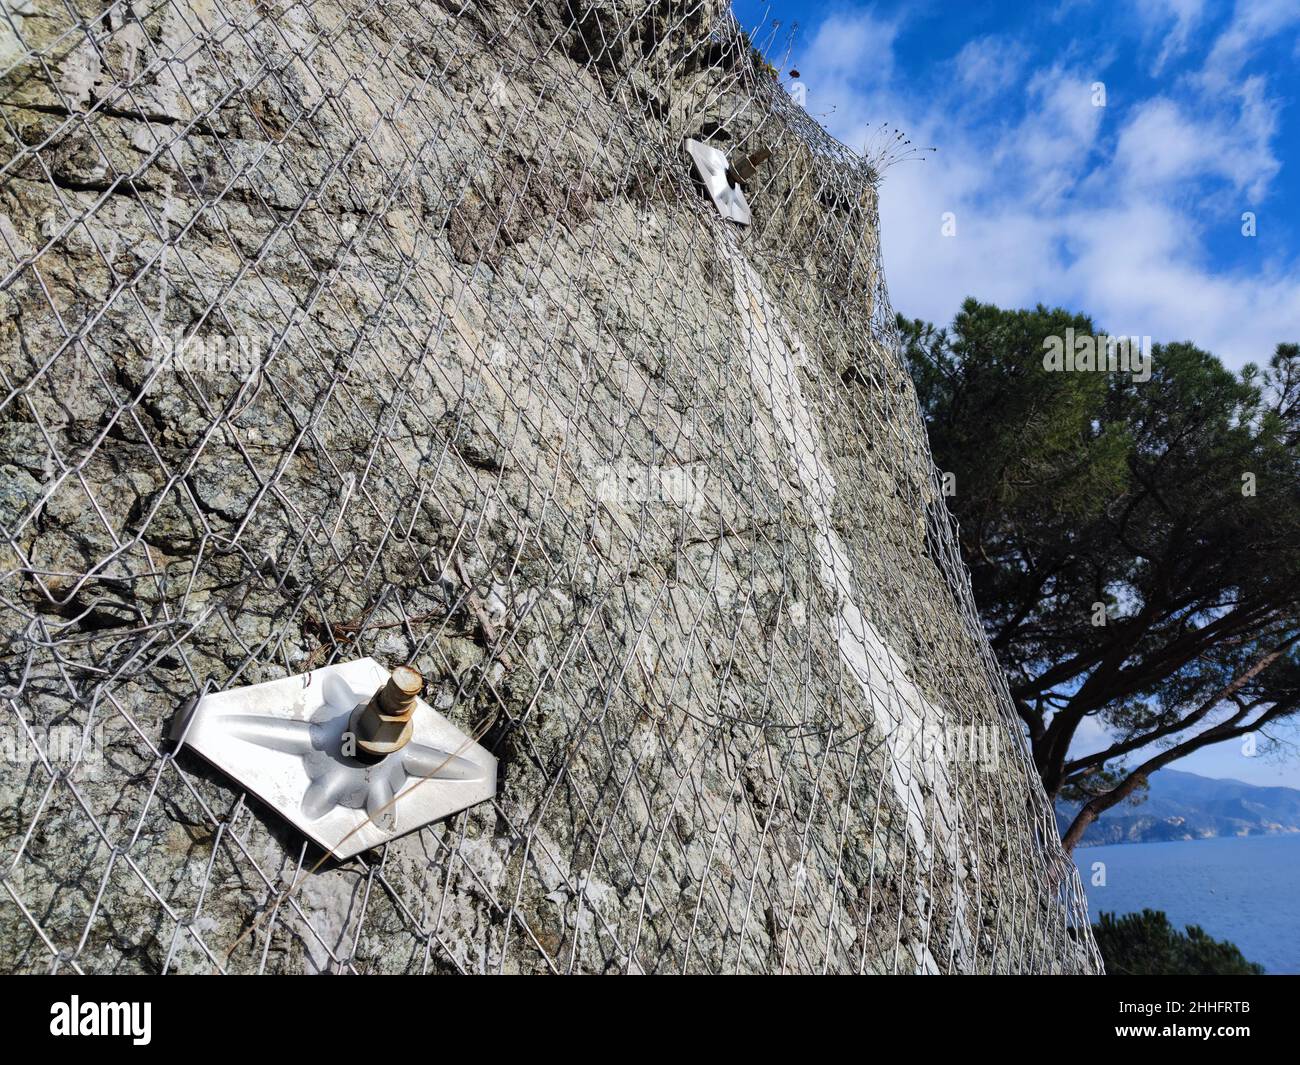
(711, 165)
(283, 741)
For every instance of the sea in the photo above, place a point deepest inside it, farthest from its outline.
(1243, 889)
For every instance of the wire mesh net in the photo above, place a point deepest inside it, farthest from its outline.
(342, 328)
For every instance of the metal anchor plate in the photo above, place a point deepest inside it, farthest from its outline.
(711, 165)
(284, 741)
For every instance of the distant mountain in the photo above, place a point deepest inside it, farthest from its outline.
(1188, 806)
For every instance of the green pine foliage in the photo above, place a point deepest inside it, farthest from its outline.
(1146, 944)
(1132, 544)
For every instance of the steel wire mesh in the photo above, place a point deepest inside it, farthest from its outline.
(341, 328)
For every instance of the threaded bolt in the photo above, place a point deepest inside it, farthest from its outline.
(399, 694)
(384, 726)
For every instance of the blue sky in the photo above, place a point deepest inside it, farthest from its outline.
(1130, 212)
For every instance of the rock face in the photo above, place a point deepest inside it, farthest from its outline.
(340, 329)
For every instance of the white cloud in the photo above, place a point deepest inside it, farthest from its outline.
(1136, 270)
(858, 46)
(988, 65)
(1176, 19)
(1103, 210)
(1052, 145)
(1165, 144)
(1253, 23)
